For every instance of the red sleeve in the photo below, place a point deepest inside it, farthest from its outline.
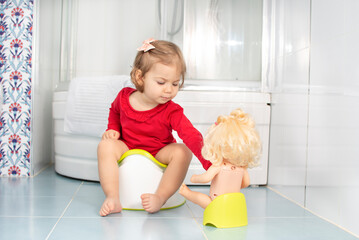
(114, 122)
(189, 134)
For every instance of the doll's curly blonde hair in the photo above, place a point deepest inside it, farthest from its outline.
(233, 138)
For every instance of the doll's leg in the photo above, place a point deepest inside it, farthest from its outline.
(177, 157)
(198, 198)
(108, 152)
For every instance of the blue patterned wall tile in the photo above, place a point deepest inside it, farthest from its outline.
(16, 21)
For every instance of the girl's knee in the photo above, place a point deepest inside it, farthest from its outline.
(113, 146)
(105, 144)
(174, 152)
(183, 152)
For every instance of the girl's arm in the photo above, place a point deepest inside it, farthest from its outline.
(114, 115)
(245, 180)
(189, 134)
(207, 176)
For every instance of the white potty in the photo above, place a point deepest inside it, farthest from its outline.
(140, 172)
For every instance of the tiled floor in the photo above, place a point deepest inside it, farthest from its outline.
(50, 206)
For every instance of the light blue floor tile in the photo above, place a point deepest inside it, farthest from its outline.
(64, 208)
(33, 206)
(48, 183)
(213, 233)
(15, 186)
(196, 210)
(54, 187)
(294, 228)
(127, 228)
(88, 200)
(280, 229)
(262, 202)
(89, 189)
(25, 228)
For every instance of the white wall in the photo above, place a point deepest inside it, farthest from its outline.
(314, 141)
(46, 72)
(108, 34)
(333, 131)
(288, 74)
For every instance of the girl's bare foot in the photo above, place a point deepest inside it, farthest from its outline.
(110, 205)
(151, 202)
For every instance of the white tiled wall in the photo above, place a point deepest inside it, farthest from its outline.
(314, 145)
(45, 74)
(289, 78)
(333, 146)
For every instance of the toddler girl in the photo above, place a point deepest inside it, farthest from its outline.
(232, 144)
(144, 118)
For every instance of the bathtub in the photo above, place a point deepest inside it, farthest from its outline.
(75, 155)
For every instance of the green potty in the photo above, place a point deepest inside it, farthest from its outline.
(226, 211)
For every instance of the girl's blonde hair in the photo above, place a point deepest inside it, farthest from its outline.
(164, 52)
(233, 138)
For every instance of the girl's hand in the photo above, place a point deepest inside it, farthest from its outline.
(111, 134)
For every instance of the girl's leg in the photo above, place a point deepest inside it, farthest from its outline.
(198, 198)
(108, 152)
(177, 157)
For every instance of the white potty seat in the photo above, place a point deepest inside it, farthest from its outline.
(139, 173)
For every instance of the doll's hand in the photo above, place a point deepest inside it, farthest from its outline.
(111, 134)
(194, 178)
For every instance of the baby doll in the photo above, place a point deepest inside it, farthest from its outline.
(232, 145)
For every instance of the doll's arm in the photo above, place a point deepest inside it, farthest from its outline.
(207, 176)
(245, 180)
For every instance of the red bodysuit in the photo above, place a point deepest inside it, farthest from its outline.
(152, 130)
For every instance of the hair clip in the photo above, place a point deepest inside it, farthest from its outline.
(216, 123)
(146, 46)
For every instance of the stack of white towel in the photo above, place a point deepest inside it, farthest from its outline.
(88, 103)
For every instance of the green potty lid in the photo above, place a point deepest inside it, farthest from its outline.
(143, 153)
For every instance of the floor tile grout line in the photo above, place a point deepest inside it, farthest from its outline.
(190, 210)
(63, 213)
(283, 217)
(197, 223)
(284, 196)
(128, 217)
(312, 212)
(200, 227)
(28, 216)
(42, 169)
